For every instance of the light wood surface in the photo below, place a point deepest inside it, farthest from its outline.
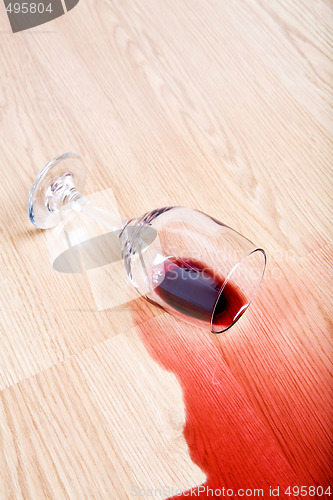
(223, 106)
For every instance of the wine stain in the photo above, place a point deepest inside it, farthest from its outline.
(225, 436)
(257, 399)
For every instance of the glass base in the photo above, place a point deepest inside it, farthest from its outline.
(54, 188)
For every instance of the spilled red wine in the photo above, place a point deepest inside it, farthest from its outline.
(192, 289)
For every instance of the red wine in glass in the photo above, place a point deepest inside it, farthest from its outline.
(192, 289)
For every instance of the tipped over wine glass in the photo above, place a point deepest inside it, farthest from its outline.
(195, 267)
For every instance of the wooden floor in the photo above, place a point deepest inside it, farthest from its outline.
(223, 106)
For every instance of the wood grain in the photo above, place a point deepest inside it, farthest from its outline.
(221, 106)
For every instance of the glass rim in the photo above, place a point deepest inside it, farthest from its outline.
(224, 329)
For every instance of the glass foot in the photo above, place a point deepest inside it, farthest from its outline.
(54, 188)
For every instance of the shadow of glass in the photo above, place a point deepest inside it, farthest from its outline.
(97, 251)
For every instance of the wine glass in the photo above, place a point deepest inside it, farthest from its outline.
(193, 266)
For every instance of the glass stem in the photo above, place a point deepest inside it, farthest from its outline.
(108, 219)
